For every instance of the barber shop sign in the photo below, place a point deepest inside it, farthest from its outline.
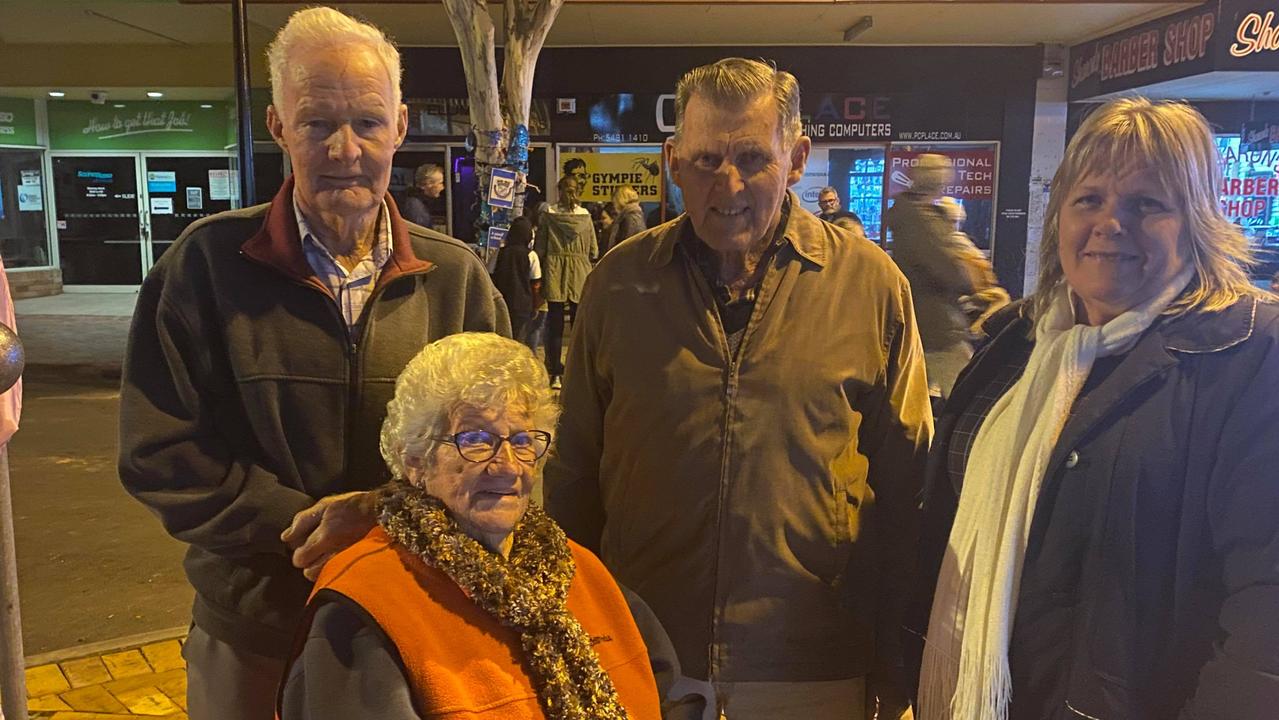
(1255, 34)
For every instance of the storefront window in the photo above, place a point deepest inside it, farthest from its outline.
(856, 173)
(1248, 195)
(24, 237)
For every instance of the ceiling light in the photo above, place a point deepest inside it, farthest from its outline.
(119, 105)
(206, 106)
(863, 24)
(56, 93)
(154, 94)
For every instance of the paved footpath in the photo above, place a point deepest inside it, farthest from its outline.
(146, 681)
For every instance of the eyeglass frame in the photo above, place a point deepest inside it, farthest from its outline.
(457, 445)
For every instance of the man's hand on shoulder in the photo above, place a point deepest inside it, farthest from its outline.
(328, 527)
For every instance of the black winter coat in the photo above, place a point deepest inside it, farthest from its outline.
(1177, 610)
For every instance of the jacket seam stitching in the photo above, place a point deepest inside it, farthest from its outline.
(1080, 713)
(1252, 323)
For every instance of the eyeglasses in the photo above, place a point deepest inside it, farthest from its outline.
(481, 445)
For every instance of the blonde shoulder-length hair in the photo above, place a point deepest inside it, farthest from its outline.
(1174, 141)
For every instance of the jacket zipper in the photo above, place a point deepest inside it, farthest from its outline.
(353, 364)
(352, 347)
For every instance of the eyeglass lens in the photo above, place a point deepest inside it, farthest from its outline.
(481, 445)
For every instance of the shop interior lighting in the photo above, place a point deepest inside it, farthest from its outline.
(863, 24)
(119, 105)
(154, 94)
(57, 93)
(206, 106)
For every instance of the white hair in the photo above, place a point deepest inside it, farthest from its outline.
(466, 370)
(323, 27)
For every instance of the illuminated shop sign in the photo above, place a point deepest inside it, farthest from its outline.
(850, 117)
(1219, 36)
(974, 171)
(1255, 34)
(1169, 48)
(17, 121)
(605, 172)
(1249, 190)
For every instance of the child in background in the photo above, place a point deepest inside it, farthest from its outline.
(518, 276)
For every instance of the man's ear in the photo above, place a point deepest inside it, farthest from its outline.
(798, 159)
(275, 126)
(671, 158)
(401, 124)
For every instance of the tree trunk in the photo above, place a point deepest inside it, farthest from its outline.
(499, 120)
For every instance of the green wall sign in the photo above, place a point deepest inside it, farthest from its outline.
(139, 125)
(17, 121)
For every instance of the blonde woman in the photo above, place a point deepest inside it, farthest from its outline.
(1101, 519)
(628, 216)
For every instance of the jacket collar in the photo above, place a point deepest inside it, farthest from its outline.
(803, 231)
(1201, 332)
(1154, 354)
(278, 244)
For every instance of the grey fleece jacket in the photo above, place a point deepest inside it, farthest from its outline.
(245, 398)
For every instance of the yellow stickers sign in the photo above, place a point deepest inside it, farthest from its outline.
(599, 174)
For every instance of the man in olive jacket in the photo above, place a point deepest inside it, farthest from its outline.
(746, 420)
(264, 348)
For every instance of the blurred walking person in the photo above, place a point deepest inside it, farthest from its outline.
(922, 248)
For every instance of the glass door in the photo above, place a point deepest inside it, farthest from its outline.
(99, 226)
(404, 165)
(181, 190)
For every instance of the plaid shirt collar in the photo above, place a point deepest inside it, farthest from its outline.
(380, 252)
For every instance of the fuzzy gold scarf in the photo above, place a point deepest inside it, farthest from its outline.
(526, 592)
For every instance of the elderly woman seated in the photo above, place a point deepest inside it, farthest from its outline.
(466, 600)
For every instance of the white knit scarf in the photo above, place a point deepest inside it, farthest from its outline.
(965, 670)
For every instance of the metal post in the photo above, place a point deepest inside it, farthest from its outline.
(13, 679)
(243, 102)
(13, 691)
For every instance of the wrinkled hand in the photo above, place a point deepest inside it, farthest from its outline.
(328, 527)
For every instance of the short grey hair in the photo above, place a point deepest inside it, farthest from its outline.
(324, 27)
(828, 189)
(467, 370)
(736, 82)
(425, 171)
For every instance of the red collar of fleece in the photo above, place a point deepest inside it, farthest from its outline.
(278, 244)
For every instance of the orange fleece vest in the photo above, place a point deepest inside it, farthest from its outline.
(460, 661)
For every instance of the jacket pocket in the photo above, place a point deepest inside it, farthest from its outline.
(849, 496)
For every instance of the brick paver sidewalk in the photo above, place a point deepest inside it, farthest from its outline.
(146, 681)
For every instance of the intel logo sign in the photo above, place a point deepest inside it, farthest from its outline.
(810, 195)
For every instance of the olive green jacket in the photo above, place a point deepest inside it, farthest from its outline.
(566, 245)
(765, 505)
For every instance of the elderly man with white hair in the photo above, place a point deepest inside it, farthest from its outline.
(746, 420)
(264, 350)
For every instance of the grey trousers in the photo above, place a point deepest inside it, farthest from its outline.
(225, 683)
